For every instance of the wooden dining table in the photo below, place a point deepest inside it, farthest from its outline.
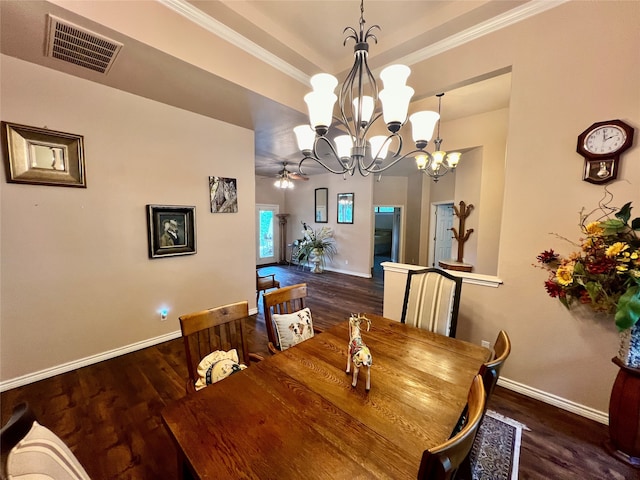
(296, 416)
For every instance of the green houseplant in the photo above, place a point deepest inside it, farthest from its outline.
(315, 246)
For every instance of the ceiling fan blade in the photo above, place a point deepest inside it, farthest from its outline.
(297, 176)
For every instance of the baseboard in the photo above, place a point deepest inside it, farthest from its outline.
(563, 403)
(83, 362)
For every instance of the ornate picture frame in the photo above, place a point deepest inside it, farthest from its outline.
(39, 156)
(171, 230)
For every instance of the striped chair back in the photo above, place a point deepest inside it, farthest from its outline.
(432, 301)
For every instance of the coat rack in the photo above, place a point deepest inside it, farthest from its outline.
(462, 213)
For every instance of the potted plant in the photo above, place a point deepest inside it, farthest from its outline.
(315, 245)
(603, 274)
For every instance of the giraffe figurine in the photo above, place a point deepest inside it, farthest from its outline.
(358, 352)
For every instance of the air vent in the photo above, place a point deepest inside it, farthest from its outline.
(73, 44)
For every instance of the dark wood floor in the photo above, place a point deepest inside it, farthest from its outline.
(109, 413)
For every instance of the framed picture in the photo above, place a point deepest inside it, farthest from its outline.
(224, 195)
(345, 208)
(171, 229)
(43, 157)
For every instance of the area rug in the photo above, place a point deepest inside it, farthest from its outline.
(496, 451)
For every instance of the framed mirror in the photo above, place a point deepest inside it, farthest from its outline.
(322, 199)
(345, 208)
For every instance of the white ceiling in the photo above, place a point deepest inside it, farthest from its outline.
(306, 36)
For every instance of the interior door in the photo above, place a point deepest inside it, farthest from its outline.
(268, 234)
(443, 236)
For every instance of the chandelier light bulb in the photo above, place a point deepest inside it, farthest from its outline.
(320, 106)
(305, 137)
(379, 147)
(438, 157)
(367, 109)
(421, 161)
(344, 144)
(395, 105)
(422, 126)
(453, 158)
(395, 76)
(324, 83)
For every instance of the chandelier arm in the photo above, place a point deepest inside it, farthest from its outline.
(406, 155)
(313, 155)
(389, 139)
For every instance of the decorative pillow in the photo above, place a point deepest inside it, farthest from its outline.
(293, 328)
(217, 366)
(41, 454)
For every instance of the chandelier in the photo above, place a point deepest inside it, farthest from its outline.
(358, 104)
(439, 163)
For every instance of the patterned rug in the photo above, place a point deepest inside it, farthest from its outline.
(496, 451)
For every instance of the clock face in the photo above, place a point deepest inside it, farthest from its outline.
(605, 139)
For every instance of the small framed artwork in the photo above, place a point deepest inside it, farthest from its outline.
(39, 156)
(224, 195)
(345, 208)
(171, 230)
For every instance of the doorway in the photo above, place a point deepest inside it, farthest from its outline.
(441, 237)
(387, 235)
(267, 234)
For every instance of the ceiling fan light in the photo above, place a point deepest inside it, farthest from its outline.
(422, 125)
(305, 137)
(379, 146)
(395, 103)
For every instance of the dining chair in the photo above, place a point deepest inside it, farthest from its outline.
(444, 461)
(285, 300)
(265, 282)
(220, 328)
(30, 450)
(432, 300)
(490, 371)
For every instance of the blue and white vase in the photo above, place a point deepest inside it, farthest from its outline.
(629, 352)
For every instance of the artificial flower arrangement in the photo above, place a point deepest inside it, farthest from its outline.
(316, 243)
(605, 272)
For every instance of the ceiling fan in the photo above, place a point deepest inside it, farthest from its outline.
(285, 177)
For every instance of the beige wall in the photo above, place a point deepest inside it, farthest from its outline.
(76, 279)
(556, 94)
(355, 248)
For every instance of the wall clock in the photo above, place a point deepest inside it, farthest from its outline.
(601, 145)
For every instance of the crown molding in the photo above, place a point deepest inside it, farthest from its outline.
(506, 19)
(212, 25)
(499, 22)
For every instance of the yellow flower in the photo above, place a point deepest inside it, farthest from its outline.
(616, 249)
(594, 229)
(564, 274)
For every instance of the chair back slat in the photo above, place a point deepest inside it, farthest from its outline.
(282, 301)
(432, 300)
(220, 328)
